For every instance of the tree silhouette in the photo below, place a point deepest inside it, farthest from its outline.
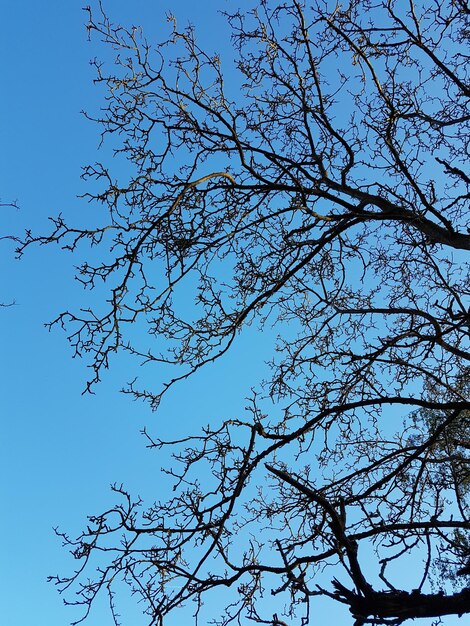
(8, 238)
(323, 194)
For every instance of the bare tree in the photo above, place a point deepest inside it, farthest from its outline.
(324, 193)
(8, 238)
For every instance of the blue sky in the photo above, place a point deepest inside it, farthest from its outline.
(60, 450)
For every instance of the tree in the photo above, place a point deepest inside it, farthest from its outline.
(323, 194)
(11, 238)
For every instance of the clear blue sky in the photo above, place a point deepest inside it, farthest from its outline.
(59, 450)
